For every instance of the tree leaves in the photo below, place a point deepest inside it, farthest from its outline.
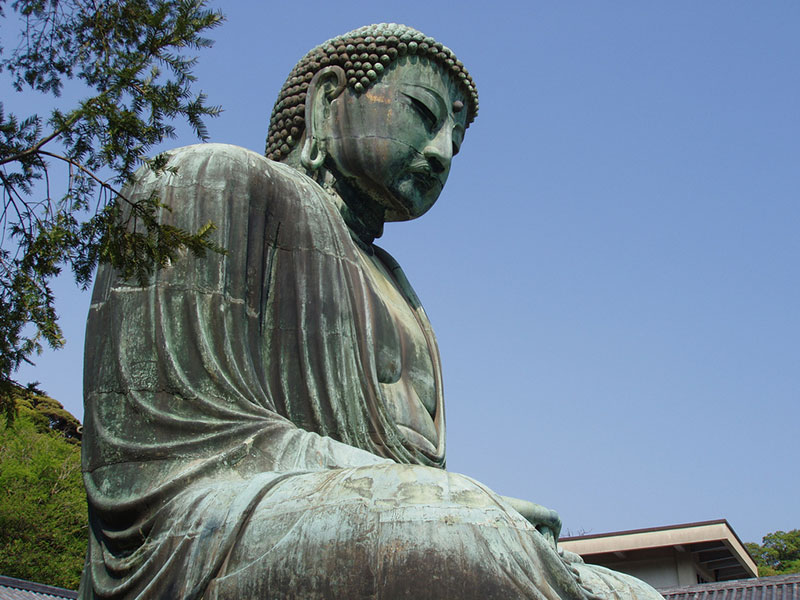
(778, 553)
(130, 55)
(43, 504)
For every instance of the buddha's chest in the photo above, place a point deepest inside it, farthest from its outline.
(403, 362)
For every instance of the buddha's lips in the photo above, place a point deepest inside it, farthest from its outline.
(426, 177)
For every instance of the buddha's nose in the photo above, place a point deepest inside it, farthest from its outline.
(439, 152)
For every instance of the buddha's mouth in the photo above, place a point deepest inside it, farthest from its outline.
(426, 179)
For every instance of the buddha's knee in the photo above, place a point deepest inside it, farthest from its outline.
(363, 498)
(605, 583)
(357, 528)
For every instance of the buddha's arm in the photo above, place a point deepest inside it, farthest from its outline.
(196, 332)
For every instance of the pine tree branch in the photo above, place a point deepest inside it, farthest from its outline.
(36, 148)
(86, 171)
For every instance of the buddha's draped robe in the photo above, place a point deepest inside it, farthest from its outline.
(236, 441)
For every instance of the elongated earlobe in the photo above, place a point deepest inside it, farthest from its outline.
(313, 153)
(326, 85)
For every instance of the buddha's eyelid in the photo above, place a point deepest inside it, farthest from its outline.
(423, 109)
(432, 101)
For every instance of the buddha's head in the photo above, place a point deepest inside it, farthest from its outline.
(383, 107)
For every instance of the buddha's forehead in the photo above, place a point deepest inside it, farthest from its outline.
(419, 70)
(412, 71)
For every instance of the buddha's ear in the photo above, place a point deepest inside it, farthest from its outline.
(326, 85)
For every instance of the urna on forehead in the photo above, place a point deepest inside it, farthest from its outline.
(363, 54)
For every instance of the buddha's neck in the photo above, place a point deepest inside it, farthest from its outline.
(362, 215)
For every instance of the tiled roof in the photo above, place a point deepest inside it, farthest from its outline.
(777, 587)
(19, 589)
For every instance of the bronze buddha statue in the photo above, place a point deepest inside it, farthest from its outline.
(269, 422)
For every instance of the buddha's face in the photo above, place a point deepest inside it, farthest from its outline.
(395, 142)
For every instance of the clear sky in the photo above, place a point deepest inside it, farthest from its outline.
(612, 269)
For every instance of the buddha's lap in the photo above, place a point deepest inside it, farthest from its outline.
(343, 505)
(391, 531)
(396, 529)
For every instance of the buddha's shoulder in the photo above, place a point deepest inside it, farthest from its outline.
(209, 161)
(229, 167)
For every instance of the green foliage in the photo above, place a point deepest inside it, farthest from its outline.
(129, 56)
(43, 519)
(47, 414)
(778, 553)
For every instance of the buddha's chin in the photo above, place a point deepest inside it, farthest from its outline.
(411, 199)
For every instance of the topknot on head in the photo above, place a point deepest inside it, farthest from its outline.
(363, 54)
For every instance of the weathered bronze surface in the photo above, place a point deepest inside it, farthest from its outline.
(269, 423)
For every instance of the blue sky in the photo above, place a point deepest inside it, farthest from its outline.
(612, 269)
